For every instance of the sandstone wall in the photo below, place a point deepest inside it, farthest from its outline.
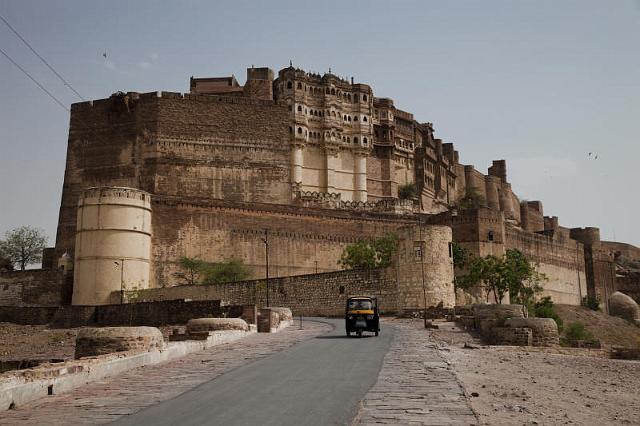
(562, 261)
(301, 241)
(171, 144)
(317, 294)
(35, 288)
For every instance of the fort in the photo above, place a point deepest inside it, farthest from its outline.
(315, 161)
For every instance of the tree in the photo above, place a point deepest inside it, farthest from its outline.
(461, 259)
(5, 264)
(192, 269)
(407, 191)
(523, 279)
(225, 272)
(196, 271)
(23, 246)
(369, 254)
(512, 274)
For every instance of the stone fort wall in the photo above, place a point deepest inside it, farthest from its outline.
(172, 144)
(301, 241)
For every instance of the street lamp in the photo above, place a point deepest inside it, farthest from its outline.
(265, 240)
(424, 288)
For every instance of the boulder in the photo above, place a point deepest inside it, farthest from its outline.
(106, 340)
(284, 313)
(621, 305)
(206, 325)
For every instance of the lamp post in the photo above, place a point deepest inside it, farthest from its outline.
(265, 240)
(424, 288)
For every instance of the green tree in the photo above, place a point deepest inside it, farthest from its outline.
(407, 191)
(511, 274)
(225, 272)
(23, 246)
(369, 254)
(196, 271)
(191, 270)
(523, 279)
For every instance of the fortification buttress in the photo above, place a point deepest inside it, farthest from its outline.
(113, 244)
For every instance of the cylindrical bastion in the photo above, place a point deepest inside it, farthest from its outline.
(113, 244)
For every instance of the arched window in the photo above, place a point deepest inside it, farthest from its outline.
(364, 118)
(355, 140)
(299, 108)
(364, 97)
(349, 118)
(333, 113)
(299, 130)
(344, 139)
(355, 118)
(344, 118)
(333, 91)
(348, 140)
(289, 85)
(299, 85)
(364, 140)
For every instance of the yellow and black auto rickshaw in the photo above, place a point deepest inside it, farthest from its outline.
(361, 314)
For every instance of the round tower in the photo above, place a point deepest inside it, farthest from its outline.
(113, 244)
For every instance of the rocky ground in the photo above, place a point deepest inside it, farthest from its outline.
(512, 386)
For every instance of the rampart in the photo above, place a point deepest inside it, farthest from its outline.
(35, 288)
(316, 294)
(562, 261)
(166, 143)
(301, 241)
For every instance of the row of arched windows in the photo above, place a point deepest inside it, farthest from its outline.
(327, 135)
(328, 91)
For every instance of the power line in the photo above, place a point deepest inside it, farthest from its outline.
(34, 80)
(66, 83)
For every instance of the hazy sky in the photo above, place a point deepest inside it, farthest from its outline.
(538, 83)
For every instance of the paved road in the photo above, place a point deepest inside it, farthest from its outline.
(318, 382)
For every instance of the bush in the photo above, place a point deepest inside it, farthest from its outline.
(544, 309)
(577, 331)
(407, 191)
(591, 302)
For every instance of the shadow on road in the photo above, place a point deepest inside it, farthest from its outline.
(343, 337)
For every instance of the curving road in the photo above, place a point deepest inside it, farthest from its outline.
(318, 382)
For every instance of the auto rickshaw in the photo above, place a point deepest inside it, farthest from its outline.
(361, 314)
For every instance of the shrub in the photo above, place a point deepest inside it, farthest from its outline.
(407, 191)
(591, 302)
(577, 331)
(544, 309)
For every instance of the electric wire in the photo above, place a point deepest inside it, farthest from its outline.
(66, 83)
(34, 80)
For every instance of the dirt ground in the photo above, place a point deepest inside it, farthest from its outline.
(612, 331)
(36, 342)
(516, 386)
